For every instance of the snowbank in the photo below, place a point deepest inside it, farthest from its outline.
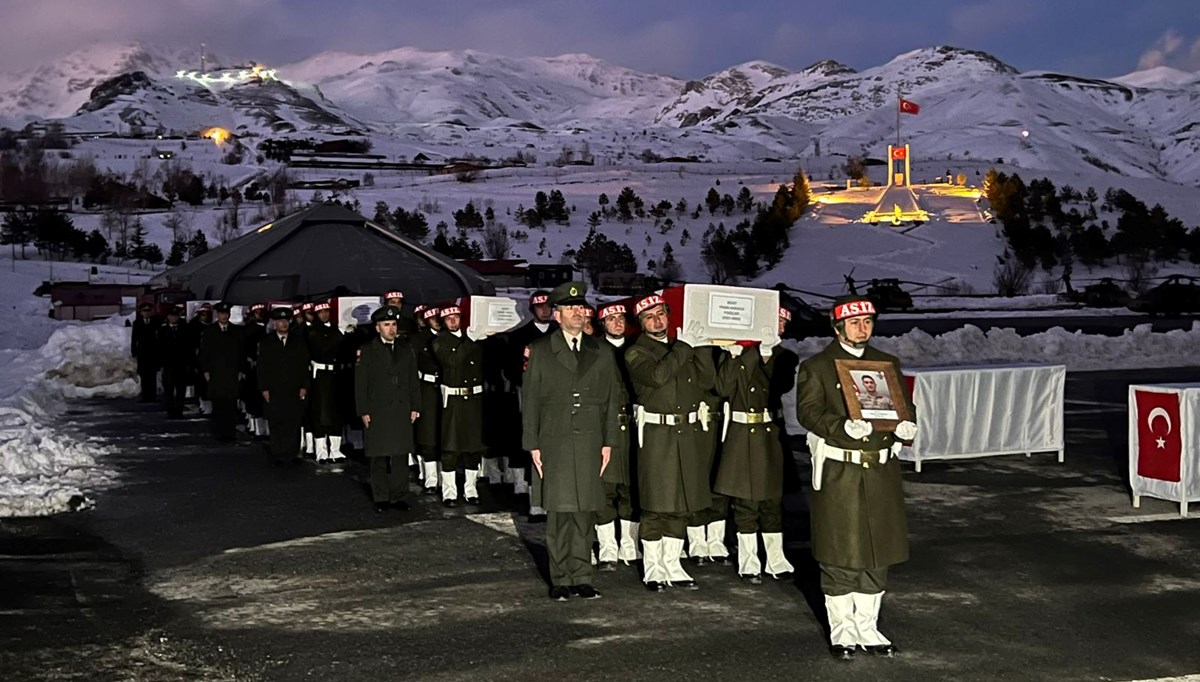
(42, 469)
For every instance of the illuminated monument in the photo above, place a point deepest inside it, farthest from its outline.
(898, 205)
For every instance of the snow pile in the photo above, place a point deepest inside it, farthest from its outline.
(43, 470)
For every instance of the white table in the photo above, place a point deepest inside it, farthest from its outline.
(985, 411)
(1164, 457)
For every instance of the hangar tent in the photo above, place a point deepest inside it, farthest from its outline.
(321, 251)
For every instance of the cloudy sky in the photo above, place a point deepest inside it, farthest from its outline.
(685, 39)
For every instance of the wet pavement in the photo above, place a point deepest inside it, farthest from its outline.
(203, 562)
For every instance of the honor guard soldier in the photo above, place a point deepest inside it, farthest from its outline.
(324, 417)
(145, 327)
(394, 298)
(570, 401)
(254, 329)
(752, 460)
(706, 528)
(516, 462)
(619, 507)
(428, 425)
(461, 362)
(858, 518)
(283, 379)
(388, 399)
(669, 380)
(175, 356)
(195, 328)
(222, 360)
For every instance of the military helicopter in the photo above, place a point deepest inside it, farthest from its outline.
(1177, 294)
(1103, 294)
(886, 293)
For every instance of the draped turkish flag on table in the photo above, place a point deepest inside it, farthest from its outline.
(1160, 443)
(907, 107)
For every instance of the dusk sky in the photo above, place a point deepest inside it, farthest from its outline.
(1098, 38)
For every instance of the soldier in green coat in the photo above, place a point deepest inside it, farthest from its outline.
(619, 505)
(858, 519)
(428, 426)
(706, 528)
(570, 401)
(751, 467)
(669, 381)
(461, 360)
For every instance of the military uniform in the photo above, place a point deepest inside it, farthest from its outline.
(283, 378)
(222, 358)
(570, 402)
(145, 327)
(461, 362)
(706, 528)
(324, 416)
(620, 507)
(254, 329)
(174, 348)
(195, 329)
(857, 504)
(386, 389)
(514, 461)
(669, 381)
(428, 425)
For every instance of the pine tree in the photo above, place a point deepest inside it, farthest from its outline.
(177, 254)
(197, 245)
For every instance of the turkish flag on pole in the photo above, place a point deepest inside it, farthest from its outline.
(907, 107)
(1160, 444)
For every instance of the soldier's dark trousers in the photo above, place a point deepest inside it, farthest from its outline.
(174, 390)
(149, 385)
(617, 504)
(224, 418)
(284, 415)
(657, 525)
(389, 478)
(837, 580)
(569, 538)
(470, 460)
(758, 516)
(717, 511)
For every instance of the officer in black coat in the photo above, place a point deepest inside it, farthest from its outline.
(174, 348)
(388, 399)
(145, 327)
(283, 379)
(254, 329)
(195, 329)
(222, 361)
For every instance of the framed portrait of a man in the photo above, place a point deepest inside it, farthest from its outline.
(873, 391)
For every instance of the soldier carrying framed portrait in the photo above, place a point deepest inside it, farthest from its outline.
(871, 389)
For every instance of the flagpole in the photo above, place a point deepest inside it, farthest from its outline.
(898, 99)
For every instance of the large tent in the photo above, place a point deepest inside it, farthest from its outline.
(321, 251)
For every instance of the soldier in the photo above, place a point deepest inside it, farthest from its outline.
(324, 418)
(175, 357)
(751, 467)
(394, 298)
(618, 478)
(222, 360)
(141, 348)
(461, 361)
(706, 528)
(283, 379)
(195, 328)
(870, 399)
(858, 518)
(570, 402)
(428, 425)
(669, 380)
(516, 462)
(388, 400)
(254, 329)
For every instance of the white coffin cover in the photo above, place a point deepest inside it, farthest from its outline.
(990, 410)
(714, 313)
(490, 315)
(351, 311)
(1187, 489)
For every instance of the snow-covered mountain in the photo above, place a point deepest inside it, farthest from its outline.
(1143, 124)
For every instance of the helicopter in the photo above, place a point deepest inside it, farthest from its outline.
(1177, 294)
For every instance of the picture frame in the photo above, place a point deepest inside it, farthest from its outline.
(873, 391)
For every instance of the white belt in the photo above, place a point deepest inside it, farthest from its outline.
(738, 417)
(642, 417)
(459, 392)
(822, 451)
(430, 378)
(321, 367)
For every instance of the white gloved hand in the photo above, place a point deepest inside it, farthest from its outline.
(858, 428)
(733, 349)
(906, 430)
(765, 351)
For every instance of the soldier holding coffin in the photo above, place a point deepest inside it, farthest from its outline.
(461, 362)
(324, 416)
(428, 425)
(620, 509)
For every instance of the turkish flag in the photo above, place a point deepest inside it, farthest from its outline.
(907, 107)
(899, 153)
(1160, 444)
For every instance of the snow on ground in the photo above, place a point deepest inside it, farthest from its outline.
(43, 364)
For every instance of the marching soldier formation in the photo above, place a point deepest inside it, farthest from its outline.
(636, 449)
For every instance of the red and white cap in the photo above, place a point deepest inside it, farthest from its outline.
(306, 306)
(589, 312)
(855, 308)
(257, 307)
(450, 310)
(612, 309)
(785, 314)
(419, 309)
(648, 303)
(323, 305)
(394, 293)
(431, 312)
(205, 306)
(539, 297)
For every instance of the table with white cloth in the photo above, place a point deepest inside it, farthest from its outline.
(1164, 456)
(984, 411)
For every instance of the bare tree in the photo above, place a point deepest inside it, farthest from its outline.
(496, 242)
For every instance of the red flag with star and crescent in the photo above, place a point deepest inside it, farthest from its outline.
(909, 107)
(1160, 443)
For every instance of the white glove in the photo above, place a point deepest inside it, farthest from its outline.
(733, 349)
(858, 428)
(906, 430)
(765, 351)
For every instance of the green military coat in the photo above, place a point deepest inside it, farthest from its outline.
(428, 426)
(858, 517)
(751, 466)
(570, 402)
(619, 469)
(461, 361)
(385, 388)
(674, 463)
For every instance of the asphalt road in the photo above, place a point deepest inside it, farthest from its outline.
(205, 563)
(1106, 325)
